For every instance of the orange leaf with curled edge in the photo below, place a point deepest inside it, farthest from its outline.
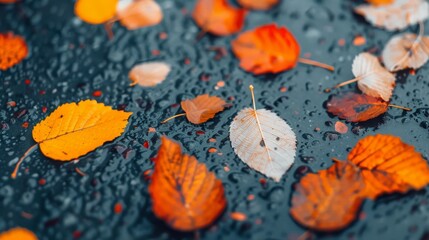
(388, 165)
(356, 107)
(95, 11)
(266, 49)
(139, 13)
(218, 17)
(18, 233)
(185, 194)
(13, 50)
(330, 199)
(259, 4)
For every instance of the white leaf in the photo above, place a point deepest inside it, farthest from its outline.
(374, 80)
(406, 51)
(397, 15)
(149, 74)
(269, 147)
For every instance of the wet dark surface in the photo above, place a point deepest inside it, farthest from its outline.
(70, 60)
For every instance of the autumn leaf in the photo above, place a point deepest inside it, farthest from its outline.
(330, 199)
(269, 49)
(95, 11)
(388, 165)
(406, 51)
(356, 107)
(263, 141)
(8, 1)
(13, 50)
(380, 2)
(200, 109)
(18, 233)
(74, 130)
(395, 16)
(372, 78)
(149, 74)
(139, 13)
(185, 194)
(259, 4)
(218, 17)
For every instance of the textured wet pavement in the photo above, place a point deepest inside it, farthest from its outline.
(70, 60)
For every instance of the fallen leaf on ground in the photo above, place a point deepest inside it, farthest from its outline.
(328, 200)
(341, 127)
(380, 2)
(8, 1)
(200, 109)
(263, 141)
(218, 17)
(395, 16)
(185, 194)
(139, 13)
(372, 78)
(13, 50)
(149, 74)
(18, 233)
(406, 51)
(73, 130)
(259, 4)
(95, 11)
(388, 165)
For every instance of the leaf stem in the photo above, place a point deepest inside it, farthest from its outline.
(253, 97)
(399, 107)
(316, 64)
(28, 152)
(348, 82)
(172, 117)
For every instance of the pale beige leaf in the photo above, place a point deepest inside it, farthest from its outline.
(270, 148)
(149, 74)
(396, 16)
(139, 13)
(406, 51)
(374, 80)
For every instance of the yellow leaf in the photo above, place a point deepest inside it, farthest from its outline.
(74, 130)
(18, 233)
(95, 11)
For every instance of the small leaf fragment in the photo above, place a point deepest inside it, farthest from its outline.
(259, 4)
(149, 74)
(13, 50)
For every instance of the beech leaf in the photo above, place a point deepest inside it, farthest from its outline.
(95, 11)
(13, 50)
(263, 141)
(395, 16)
(139, 13)
(149, 74)
(185, 194)
(73, 130)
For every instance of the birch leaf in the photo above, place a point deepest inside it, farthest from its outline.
(149, 74)
(263, 141)
(395, 16)
(139, 13)
(406, 51)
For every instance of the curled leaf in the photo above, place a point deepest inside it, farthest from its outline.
(149, 74)
(388, 165)
(263, 141)
(395, 16)
(139, 13)
(218, 17)
(95, 11)
(406, 51)
(266, 49)
(13, 50)
(259, 4)
(18, 233)
(185, 194)
(330, 199)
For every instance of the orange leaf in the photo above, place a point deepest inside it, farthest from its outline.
(356, 107)
(18, 233)
(202, 108)
(139, 13)
(259, 4)
(149, 74)
(380, 2)
(8, 1)
(95, 11)
(74, 130)
(13, 50)
(389, 165)
(184, 193)
(328, 200)
(266, 49)
(218, 17)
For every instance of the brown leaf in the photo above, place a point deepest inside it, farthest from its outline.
(184, 193)
(356, 107)
(259, 4)
(202, 108)
(149, 74)
(341, 127)
(139, 13)
(328, 200)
